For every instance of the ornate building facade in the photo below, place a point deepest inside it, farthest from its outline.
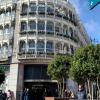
(32, 32)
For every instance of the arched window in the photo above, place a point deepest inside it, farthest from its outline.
(32, 25)
(41, 8)
(1, 30)
(50, 9)
(31, 44)
(7, 29)
(70, 15)
(24, 8)
(65, 48)
(71, 32)
(49, 46)
(58, 28)
(58, 47)
(50, 26)
(23, 26)
(0, 48)
(5, 48)
(40, 46)
(8, 11)
(32, 7)
(22, 46)
(41, 25)
(65, 30)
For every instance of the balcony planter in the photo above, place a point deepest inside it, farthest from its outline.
(50, 13)
(41, 13)
(32, 13)
(23, 13)
(41, 32)
(32, 32)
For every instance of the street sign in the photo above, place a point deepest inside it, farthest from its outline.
(93, 3)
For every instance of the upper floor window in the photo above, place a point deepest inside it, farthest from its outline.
(33, 7)
(50, 26)
(71, 32)
(32, 25)
(22, 46)
(41, 25)
(5, 48)
(49, 46)
(40, 45)
(24, 8)
(41, 7)
(23, 26)
(31, 44)
(1, 30)
(65, 30)
(50, 8)
(58, 27)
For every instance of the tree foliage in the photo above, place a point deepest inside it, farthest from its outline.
(58, 67)
(86, 63)
(2, 76)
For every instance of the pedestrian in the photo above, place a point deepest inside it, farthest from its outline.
(8, 95)
(72, 96)
(81, 94)
(25, 94)
(4, 96)
(1, 95)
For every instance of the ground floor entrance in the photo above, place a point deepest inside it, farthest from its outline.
(38, 82)
(40, 90)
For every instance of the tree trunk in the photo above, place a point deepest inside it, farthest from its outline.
(60, 89)
(98, 89)
(63, 87)
(89, 89)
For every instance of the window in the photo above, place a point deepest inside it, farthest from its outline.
(40, 46)
(23, 26)
(71, 32)
(50, 26)
(41, 8)
(31, 44)
(32, 25)
(1, 32)
(33, 7)
(65, 30)
(49, 46)
(24, 8)
(72, 49)
(50, 9)
(5, 48)
(41, 25)
(22, 46)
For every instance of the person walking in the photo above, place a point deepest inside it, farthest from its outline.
(25, 94)
(4, 96)
(81, 94)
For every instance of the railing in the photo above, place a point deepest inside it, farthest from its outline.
(34, 55)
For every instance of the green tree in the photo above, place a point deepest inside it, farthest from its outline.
(2, 76)
(85, 65)
(58, 70)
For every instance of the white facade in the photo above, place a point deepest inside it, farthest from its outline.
(34, 31)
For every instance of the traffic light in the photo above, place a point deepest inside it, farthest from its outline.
(93, 3)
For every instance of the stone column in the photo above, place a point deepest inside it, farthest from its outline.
(20, 82)
(12, 84)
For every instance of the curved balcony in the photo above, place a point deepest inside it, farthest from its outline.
(33, 55)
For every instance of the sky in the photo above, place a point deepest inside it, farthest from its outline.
(89, 18)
